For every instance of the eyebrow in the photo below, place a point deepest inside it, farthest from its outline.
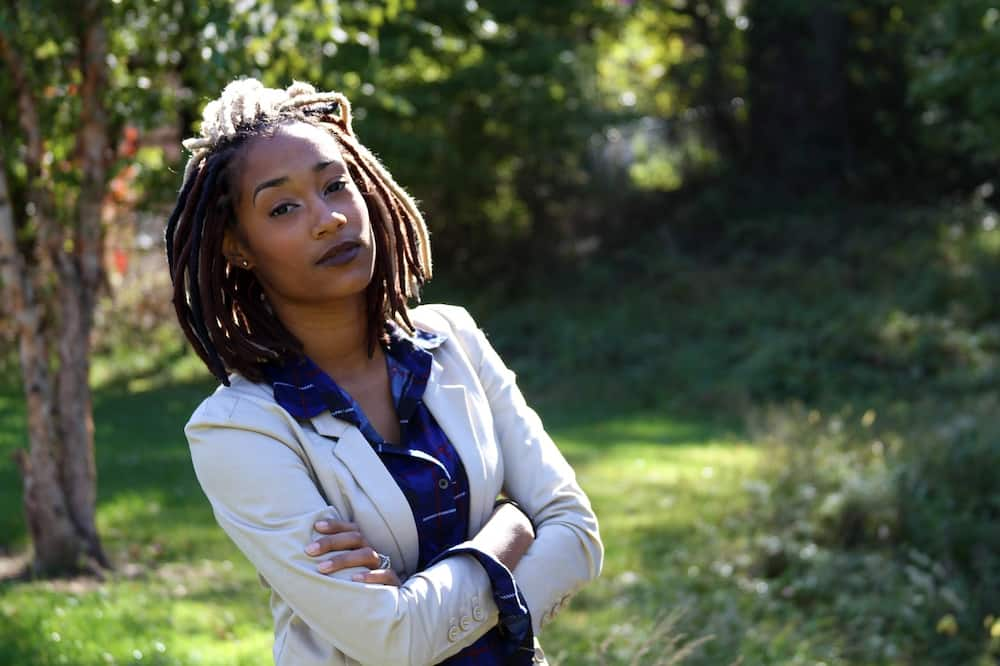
(275, 182)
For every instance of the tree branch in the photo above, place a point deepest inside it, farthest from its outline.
(93, 145)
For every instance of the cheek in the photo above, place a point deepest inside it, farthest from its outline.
(277, 258)
(273, 251)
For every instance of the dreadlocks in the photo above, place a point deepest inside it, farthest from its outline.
(221, 308)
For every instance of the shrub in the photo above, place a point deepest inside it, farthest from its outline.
(890, 528)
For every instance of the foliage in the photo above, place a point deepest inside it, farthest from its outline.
(539, 123)
(866, 97)
(679, 69)
(861, 505)
(951, 55)
(482, 111)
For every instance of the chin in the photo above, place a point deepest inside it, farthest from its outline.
(354, 279)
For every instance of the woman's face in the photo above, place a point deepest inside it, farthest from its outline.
(302, 224)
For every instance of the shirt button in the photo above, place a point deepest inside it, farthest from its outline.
(453, 634)
(443, 484)
(477, 614)
(464, 623)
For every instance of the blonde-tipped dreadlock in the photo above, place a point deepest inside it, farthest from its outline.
(221, 308)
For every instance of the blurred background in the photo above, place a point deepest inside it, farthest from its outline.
(743, 255)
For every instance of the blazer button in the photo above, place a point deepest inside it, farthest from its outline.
(538, 657)
(443, 484)
(464, 623)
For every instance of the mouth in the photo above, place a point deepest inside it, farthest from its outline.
(339, 254)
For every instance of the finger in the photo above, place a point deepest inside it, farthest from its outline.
(335, 542)
(378, 577)
(335, 526)
(359, 557)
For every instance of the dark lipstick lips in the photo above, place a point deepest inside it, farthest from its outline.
(340, 253)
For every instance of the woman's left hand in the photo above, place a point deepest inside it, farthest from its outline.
(351, 550)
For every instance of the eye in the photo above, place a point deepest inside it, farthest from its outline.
(281, 209)
(335, 186)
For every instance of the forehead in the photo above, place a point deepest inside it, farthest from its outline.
(292, 148)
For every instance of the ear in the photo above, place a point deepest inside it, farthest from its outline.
(235, 250)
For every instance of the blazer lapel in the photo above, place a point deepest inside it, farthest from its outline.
(449, 404)
(356, 453)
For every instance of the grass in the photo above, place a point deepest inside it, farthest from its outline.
(775, 433)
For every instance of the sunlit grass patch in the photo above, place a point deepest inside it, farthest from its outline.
(180, 595)
(219, 618)
(668, 494)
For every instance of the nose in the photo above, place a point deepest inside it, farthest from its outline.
(329, 220)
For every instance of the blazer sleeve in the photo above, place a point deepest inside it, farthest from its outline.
(567, 551)
(264, 498)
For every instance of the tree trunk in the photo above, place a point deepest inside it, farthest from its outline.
(76, 431)
(79, 280)
(58, 470)
(796, 69)
(57, 544)
(717, 93)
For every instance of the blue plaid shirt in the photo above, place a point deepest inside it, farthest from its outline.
(427, 469)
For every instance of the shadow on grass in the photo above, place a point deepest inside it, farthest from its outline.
(19, 645)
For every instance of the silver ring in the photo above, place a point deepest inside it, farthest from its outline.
(383, 561)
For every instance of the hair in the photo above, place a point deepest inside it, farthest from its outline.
(222, 308)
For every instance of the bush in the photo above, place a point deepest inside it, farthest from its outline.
(891, 526)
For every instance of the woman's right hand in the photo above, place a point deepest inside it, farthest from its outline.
(350, 549)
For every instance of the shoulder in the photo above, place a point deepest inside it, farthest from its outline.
(456, 325)
(240, 432)
(242, 405)
(443, 319)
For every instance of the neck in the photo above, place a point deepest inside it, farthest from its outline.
(334, 336)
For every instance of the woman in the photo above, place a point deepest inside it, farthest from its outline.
(356, 448)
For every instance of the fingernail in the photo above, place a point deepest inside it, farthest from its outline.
(322, 525)
(324, 567)
(312, 548)
(357, 578)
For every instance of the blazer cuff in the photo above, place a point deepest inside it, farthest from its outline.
(515, 618)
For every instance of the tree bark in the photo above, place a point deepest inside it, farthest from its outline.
(716, 93)
(58, 469)
(57, 545)
(79, 280)
(796, 68)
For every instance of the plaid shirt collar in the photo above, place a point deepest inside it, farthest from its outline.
(305, 391)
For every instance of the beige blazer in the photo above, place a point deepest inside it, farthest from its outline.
(269, 477)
